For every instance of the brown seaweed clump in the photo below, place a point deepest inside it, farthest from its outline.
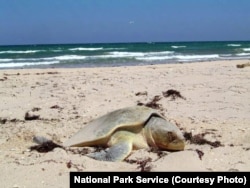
(173, 94)
(32, 114)
(200, 153)
(142, 164)
(200, 140)
(243, 65)
(141, 93)
(3, 79)
(45, 147)
(153, 103)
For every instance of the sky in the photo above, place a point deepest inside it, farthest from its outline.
(109, 21)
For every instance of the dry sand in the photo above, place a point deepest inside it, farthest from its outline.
(216, 106)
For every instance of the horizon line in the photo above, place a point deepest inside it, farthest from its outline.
(138, 42)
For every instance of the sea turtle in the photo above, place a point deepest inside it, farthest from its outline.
(125, 129)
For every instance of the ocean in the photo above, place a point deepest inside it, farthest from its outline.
(119, 54)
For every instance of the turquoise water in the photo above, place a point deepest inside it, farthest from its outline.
(119, 54)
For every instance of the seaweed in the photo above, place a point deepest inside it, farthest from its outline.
(173, 94)
(47, 73)
(153, 103)
(247, 149)
(56, 107)
(69, 164)
(3, 120)
(200, 140)
(45, 147)
(29, 115)
(141, 93)
(160, 153)
(3, 79)
(243, 65)
(200, 153)
(142, 164)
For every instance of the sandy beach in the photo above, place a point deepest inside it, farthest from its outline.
(215, 109)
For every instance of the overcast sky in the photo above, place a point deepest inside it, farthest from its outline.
(97, 21)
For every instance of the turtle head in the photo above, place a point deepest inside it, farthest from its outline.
(170, 141)
(164, 135)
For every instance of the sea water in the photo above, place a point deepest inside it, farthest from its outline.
(119, 54)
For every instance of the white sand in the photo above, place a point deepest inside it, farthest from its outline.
(217, 103)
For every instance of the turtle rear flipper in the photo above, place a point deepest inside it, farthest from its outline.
(44, 144)
(117, 152)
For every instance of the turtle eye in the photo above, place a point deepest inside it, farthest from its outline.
(171, 137)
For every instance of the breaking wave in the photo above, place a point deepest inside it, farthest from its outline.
(20, 52)
(178, 46)
(234, 45)
(106, 54)
(10, 65)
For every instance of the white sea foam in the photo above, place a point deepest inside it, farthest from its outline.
(65, 57)
(48, 59)
(126, 54)
(225, 55)
(114, 48)
(179, 57)
(22, 59)
(159, 53)
(120, 55)
(243, 54)
(20, 52)
(234, 45)
(178, 46)
(85, 49)
(135, 54)
(9, 65)
(246, 49)
(154, 58)
(6, 60)
(198, 57)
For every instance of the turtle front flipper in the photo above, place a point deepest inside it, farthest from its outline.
(117, 152)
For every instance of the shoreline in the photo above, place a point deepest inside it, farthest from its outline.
(216, 105)
(123, 65)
